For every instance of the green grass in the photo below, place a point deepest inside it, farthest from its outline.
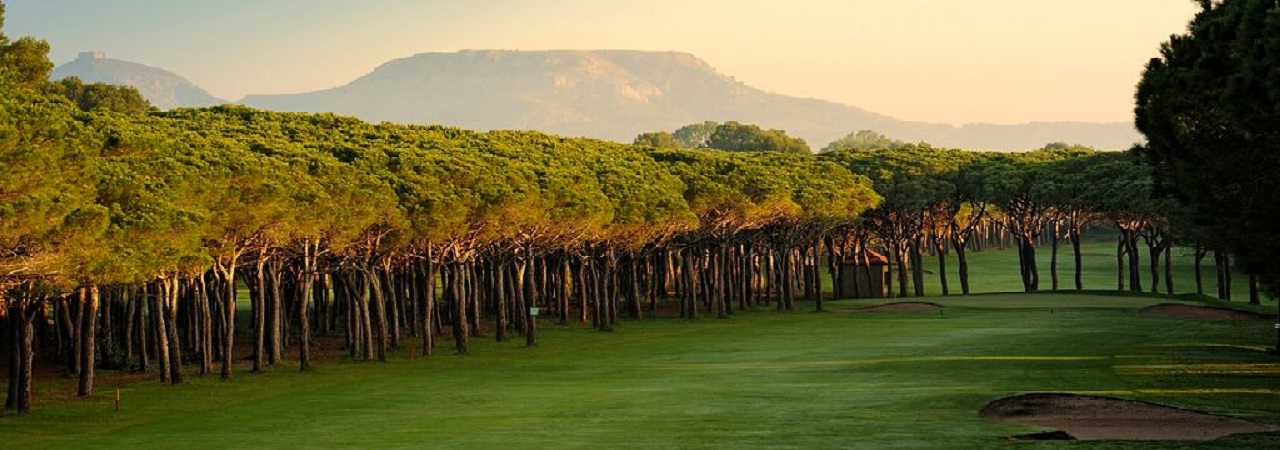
(996, 270)
(758, 380)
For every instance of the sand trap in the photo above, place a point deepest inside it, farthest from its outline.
(1199, 312)
(903, 307)
(1096, 418)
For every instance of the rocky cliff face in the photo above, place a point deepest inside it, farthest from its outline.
(162, 88)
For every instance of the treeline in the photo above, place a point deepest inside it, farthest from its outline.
(130, 234)
(125, 236)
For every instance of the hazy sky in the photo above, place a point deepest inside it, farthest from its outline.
(957, 61)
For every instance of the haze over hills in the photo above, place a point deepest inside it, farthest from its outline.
(162, 88)
(608, 94)
(619, 94)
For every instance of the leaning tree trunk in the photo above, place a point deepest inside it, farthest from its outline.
(940, 247)
(1153, 254)
(962, 263)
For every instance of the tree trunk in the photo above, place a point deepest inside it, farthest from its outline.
(206, 325)
(24, 347)
(1074, 234)
(274, 313)
(901, 255)
(458, 304)
(378, 300)
(1135, 272)
(1224, 274)
(1200, 253)
(817, 276)
(258, 308)
(1220, 268)
(429, 308)
(1121, 249)
(962, 262)
(917, 267)
(13, 324)
(528, 295)
(1254, 298)
(1154, 253)
(1053, 257)
(170, 301)
(141, 329)
(940, 247)
(500, 300)
(306, 283)
(158, 300)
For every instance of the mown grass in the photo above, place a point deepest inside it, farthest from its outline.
(757, 380)
(996, 270)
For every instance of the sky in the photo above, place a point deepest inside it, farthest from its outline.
(950, 61)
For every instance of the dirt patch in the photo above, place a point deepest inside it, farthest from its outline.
(1097, 418)
(1199, 312)
(903, 307)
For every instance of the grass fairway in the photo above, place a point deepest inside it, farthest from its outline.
(758, 380)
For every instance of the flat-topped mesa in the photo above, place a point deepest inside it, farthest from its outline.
(618, 94)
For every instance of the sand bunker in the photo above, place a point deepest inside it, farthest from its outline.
(903, 307)
(1096, 418)
(1199, 312)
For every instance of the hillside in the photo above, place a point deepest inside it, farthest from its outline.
(162, 88)
(619, 94)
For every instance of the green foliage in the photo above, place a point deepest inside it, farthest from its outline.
(738, 137)
(657, 139)
(26, 61)
(695, 135)
(45, 190)
(1208, 107)
(99, 96)
(865, 140)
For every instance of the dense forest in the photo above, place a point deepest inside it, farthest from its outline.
(126, 233)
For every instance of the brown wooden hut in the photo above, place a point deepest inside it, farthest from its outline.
(864, 275)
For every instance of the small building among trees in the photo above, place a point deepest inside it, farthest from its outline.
(864, 275)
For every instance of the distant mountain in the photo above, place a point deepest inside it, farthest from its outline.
(162, 88)
(619, 94)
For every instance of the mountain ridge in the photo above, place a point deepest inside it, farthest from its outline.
(607, 94)
(162, 88)
(617, 94)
